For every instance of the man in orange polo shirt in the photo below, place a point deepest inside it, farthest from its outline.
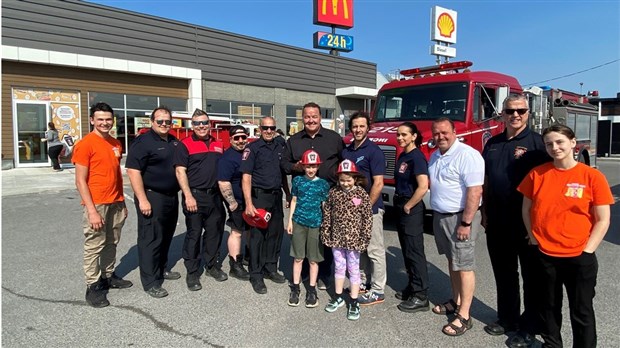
(99, 181)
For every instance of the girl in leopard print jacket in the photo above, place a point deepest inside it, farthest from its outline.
(346, 227)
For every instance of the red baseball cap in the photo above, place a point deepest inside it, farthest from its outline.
(260, 219)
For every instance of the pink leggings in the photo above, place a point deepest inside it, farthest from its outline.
(347, 260)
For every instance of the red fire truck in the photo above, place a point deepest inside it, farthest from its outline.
(472, 99)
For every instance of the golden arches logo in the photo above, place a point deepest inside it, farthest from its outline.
(335, 8)
(445, 24)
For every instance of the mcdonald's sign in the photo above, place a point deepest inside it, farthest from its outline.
(338, 13)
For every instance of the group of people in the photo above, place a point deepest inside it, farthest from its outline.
(538, 205)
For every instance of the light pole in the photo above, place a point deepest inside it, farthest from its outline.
(581, 88)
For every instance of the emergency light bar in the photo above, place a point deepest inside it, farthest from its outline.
(436, 68)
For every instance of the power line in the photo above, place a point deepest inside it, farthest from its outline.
(575, 73)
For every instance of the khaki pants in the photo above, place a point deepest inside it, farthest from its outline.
(373, 260)
(100, 246)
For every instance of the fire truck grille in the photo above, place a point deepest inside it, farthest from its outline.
(390, 160)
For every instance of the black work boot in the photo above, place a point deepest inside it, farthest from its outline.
(236, 268)
(96, 294)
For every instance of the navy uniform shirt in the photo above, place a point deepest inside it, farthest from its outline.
(370, 161)
(152, 156)
(327, 143)
(262, 161)
(408, 166)
(200, 157)
(507, 162)
(228, 170)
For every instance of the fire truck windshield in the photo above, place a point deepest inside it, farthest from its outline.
(423, 102)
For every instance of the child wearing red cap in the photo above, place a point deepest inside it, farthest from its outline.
(308, 192)
(346, 228)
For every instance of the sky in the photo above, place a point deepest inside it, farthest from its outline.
(574, 44)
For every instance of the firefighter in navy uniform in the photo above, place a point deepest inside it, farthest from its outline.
(262, 183)
(152, 176)
(196, 170)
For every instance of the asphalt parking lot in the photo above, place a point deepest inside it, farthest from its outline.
(43, 289)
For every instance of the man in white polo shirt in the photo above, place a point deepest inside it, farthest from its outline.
(456, 173)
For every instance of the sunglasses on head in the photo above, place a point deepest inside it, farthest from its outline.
(268, 127)
(512, 111)
(200, 123)
(240, 137)
(163, 122)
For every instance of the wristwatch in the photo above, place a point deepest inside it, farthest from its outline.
(465, 224)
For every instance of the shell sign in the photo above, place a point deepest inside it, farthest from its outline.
(443, 25)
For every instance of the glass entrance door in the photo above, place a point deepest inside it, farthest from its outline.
(31, 119)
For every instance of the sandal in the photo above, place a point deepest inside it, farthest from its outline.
(466, 324)
(443, 308)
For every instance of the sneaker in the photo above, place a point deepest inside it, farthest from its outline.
(96, 294)
(371, 298)
(116, 282)
(353, 313)
(364, 288)
(216, 273)
(334, 304)
(293, 297)
(312, 299)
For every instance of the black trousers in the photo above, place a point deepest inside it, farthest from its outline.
(210, 218)
(53, 153)
(410, 230)
(265, 244)
(508, 248)
(155, 234)
(578, 275)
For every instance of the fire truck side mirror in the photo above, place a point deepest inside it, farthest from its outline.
(502, 93)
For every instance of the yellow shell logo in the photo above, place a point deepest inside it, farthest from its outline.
(445, 24)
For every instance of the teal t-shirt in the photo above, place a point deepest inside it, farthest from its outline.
(310, 194)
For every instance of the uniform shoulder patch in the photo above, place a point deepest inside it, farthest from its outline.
(246, 154)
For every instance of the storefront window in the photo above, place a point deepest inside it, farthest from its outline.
(244, 111)
(294, 122)
(221, 107)
(174, 104)
(141, 102)
(115, 100)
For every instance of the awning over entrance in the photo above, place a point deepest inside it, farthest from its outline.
(355, 92)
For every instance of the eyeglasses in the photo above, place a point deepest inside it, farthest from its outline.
(268, 127)
(239, 137)
(200, 123)
(163, 122)
(512, 111)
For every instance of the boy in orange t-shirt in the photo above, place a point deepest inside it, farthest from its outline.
(100, 183)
